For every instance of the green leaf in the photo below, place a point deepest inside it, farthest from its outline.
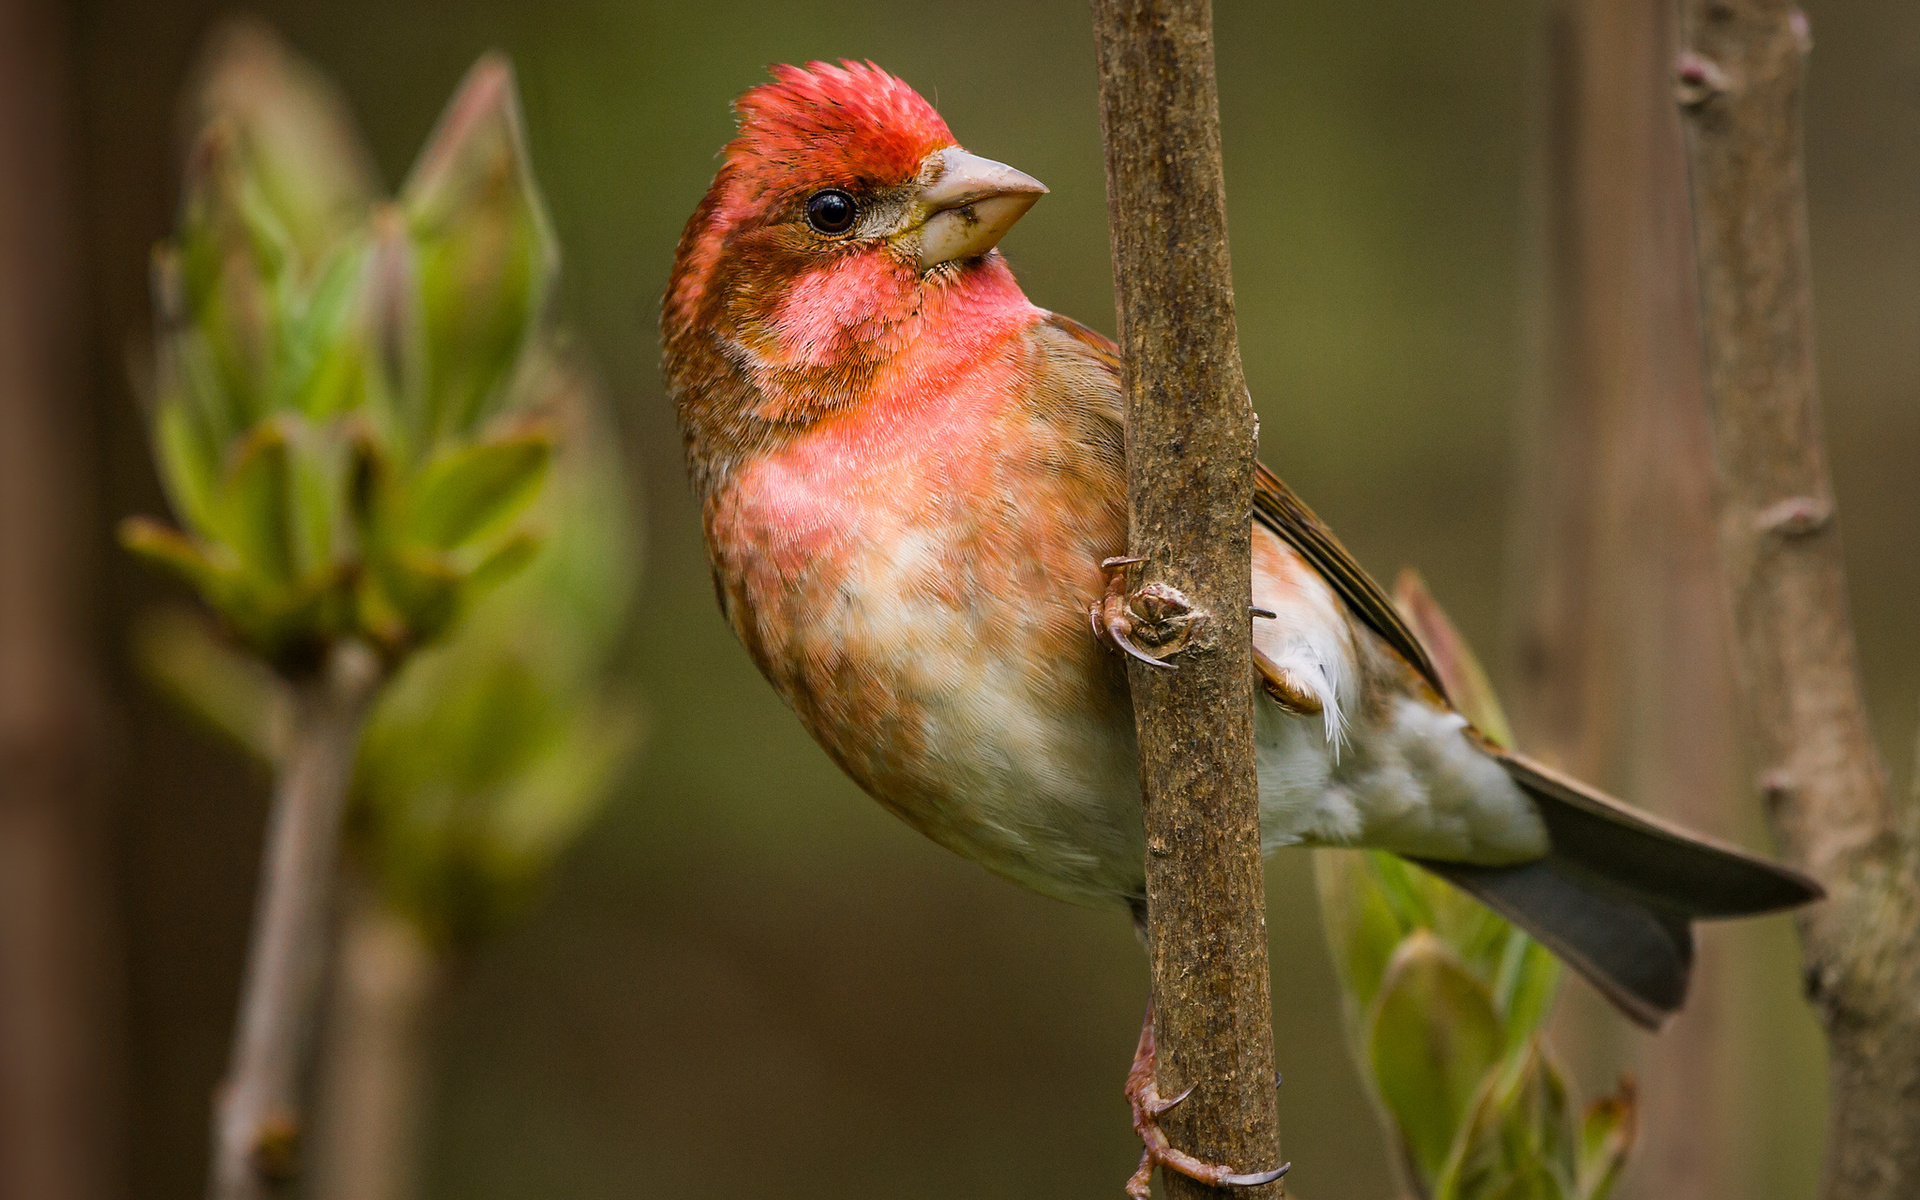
(567, 785)
(1361, 925)
(233, 259)
(189, 463)
(318, 520)
(231, 691)
(293, 133)
(507, 560)
(486, 255)
(256, 510)
(1607, 1131)
(324, 374)
(1518, 1141)
(1433, 1040)
(1529, 977)
(470, 490)
(172, 551)
(423, 591)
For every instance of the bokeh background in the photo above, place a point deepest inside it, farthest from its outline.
(749, 980)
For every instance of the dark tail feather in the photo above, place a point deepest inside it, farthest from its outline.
(1615, 896)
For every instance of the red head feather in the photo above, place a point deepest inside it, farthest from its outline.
(852, 125)
(849, 124)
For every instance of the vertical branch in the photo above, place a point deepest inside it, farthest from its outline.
(374, 1076)
(258, 1117)
(58, 1135)
(1826, 792)
(1624, 656)
(1190, 452)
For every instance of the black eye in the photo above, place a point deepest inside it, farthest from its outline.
(830, 211)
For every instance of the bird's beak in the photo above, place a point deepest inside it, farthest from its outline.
(968, 204)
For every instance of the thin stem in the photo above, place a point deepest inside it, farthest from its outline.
(1740, 84)
(376, 1058)
(1190, 454)
(258, 1118)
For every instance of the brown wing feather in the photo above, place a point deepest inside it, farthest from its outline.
(1277, 507)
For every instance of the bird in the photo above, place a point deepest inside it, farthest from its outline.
(912, 486)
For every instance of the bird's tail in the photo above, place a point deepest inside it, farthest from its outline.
(1617, 894)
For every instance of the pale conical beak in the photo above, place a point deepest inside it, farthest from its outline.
(970, 202)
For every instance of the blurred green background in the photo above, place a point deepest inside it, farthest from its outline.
(748, 979)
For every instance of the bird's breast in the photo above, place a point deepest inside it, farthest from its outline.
(921, 602)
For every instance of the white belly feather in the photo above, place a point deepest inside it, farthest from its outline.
(1401, 776)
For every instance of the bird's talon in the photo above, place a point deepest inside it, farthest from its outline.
(1266, 613)
(1162, 1107)
(1148, 1107)
(1257, 1178)
(1117, 630)
(1115, 621)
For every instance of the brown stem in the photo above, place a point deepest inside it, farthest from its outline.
(258, 1116)
(1740, 85)
(1625, 674)
(374, 1063)
(59, 1128)
(1190, 452)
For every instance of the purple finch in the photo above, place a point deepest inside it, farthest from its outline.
(910, 477)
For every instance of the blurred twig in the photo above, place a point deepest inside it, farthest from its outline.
(386, 984)
(58, 1118)
(1190, 454)
(1740, 85)
(1624, 672)
(257, 1123)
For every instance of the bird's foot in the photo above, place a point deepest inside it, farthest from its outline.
(1148, 1108)
(1156, 615)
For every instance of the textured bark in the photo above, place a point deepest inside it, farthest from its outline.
(1190, 453)
(258, 1119)
(1624, 635)
(374, 1068)
(58, 1015)
(1825, 789)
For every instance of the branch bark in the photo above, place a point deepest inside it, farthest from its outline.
(1625, 641)
(1826, 792)
(258, 1117)
(1190, 453)
(59, 1118)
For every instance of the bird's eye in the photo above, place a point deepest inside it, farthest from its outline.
(830, 211)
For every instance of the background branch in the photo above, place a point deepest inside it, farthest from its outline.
(1740, 84)
(1190, 452)
(1623, 638)
(59, 1002)
(258, 1120)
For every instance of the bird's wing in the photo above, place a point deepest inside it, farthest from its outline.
(1277, 508)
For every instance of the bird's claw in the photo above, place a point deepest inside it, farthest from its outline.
(1148, 1107)
(1162, 614)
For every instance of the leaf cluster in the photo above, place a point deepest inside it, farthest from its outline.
(360, 419)
(1444, 1003)
(340, 411)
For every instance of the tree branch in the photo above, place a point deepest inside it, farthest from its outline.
(1826, 791)
(1625, 648)
(258, 1117)
(376, 1064)
(1190, 453)
(59, 1043)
